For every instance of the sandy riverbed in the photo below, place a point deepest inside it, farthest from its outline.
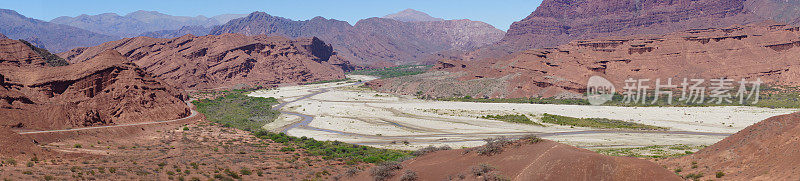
(357, 115)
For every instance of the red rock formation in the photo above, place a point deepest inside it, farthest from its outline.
(546, 160)
(557, 22)
(104, 90)
(226, 60)
(763, 51)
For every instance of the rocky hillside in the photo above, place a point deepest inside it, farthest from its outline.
(374, 41)
(556, 22)
(227, 60)
(136, 23)
(764, 151)
(104, 90)
(763, 50)
(51, 36)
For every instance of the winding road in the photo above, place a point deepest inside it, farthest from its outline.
(192, 115)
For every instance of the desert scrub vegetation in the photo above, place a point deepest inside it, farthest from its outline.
(597, 123)
(429, 149)
(49, 58)
(385, 170)
(327, 81)
(656, 151)
(336, 150)
(770, 96)
(512, 118)
(495, 145)
(389, 72)
(237, 110)
(529, 100)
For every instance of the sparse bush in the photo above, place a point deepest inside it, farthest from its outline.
(49, 177)
(494, 177)
(231, 174)
(385, 170)
(11, 162)
(112, 170)
(27, 172)
(694, 176)
(29, 164)
(720, 174)
(532, 138)
(409, 176)
(493, 146)
(482, 169)
(78, 146)
(352, 172)
(429, 149)
(245, 171)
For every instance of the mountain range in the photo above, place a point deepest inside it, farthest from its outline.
(375, 41)
(54, 37)
(138, 22)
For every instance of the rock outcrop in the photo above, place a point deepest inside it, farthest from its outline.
(374, 41)
(104, 90)
(762, 50)
(227, 60)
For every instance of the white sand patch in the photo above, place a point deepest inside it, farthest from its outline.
(282, 121)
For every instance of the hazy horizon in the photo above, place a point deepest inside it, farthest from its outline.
(498, 15)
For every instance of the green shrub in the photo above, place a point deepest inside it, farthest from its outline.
(694, 176)
(720, 174)
(239, 111)
(335, 150)
(78, 146)
(245, 171)
(515, 118)
(390, 72)
(596, 123)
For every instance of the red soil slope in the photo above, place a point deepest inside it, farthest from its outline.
(546, 160)
(767, 150)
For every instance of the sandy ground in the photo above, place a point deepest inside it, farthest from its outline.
(348, 113)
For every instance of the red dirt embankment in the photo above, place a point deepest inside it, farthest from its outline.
(545, 160)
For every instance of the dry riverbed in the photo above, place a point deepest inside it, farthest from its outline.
(345, 112)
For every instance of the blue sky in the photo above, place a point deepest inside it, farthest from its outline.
(500, 13)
